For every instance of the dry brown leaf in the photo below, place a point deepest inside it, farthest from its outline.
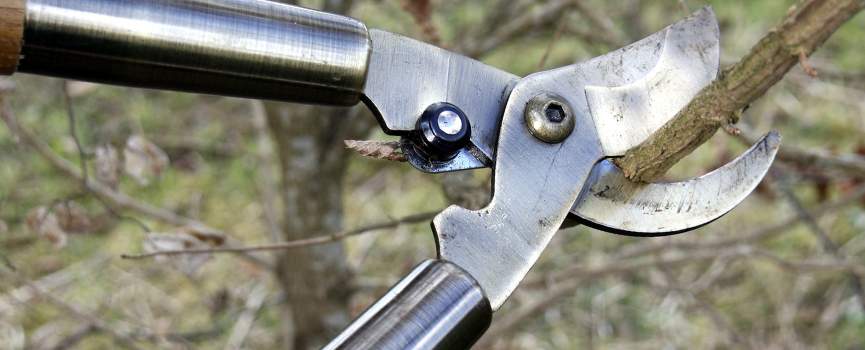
(377, 149)
(73, 217)
(185, 263)
(45, 223)
(108, 165)
(210, 236)
(142, 156)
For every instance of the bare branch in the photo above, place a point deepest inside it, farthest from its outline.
(713, 313)
(606, 30)
(516, 318)
(852, 164)
(559, 30)
(575, 276)
(828, 246)
(244, 322)
(71, 114)
(75, 312)
(295, 243)
(806, 26)
(474, 47)
(73, 339)
(99, 189)
(421, 11)
(681, 6)
(8, 262)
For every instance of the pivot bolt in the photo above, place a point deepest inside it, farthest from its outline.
(549, 117)
(443, 130)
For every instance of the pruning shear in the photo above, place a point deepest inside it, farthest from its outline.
(546, 136)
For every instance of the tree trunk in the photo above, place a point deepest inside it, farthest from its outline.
(313, 159)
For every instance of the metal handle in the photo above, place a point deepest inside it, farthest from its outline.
(437, 306)
(244, 48)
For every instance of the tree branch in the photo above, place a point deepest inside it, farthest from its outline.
(295, 243)
(807, 25)
(78, 314)
(101, 190)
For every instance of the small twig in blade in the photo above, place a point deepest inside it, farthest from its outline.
(377, 149)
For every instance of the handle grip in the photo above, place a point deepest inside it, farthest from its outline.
(437, 306)
(244, 48)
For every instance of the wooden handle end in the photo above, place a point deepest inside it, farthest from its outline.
(11, 34)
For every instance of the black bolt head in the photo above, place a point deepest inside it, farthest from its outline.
(443, 130)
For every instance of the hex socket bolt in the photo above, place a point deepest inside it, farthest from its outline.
(550, 117)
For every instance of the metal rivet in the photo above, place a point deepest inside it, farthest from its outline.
(549, 117)
(450, 122)
(443, 129)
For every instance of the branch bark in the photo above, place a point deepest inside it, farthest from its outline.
(121, 200)
(303, 242)
(804, 29)
(73, 311)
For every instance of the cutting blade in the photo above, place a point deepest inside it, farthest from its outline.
(610, 202)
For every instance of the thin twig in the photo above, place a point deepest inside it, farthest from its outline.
(579, 274)
(71, 114)
(853, 164)
(828, 246)
(216, 330)
(83, 159)
(8, 262)
(292, 244)
(244, 322)
(681, 6)
(73, 339)
(559, 30)
(606, 30)
(714, 315)
(75, 312)
(518, 317)
(508, 30)
(119, 199)
(803, 60)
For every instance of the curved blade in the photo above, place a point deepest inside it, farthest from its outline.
(612, 203)
(628, 114)
(536, 182)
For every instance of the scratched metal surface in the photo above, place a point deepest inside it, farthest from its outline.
(610, 202)
(255, 49)
(406, 76)
(536, 182)
(626, 115)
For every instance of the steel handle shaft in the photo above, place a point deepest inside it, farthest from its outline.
(437, 306)
(244, 48)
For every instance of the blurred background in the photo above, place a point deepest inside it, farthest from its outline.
(782, 271)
